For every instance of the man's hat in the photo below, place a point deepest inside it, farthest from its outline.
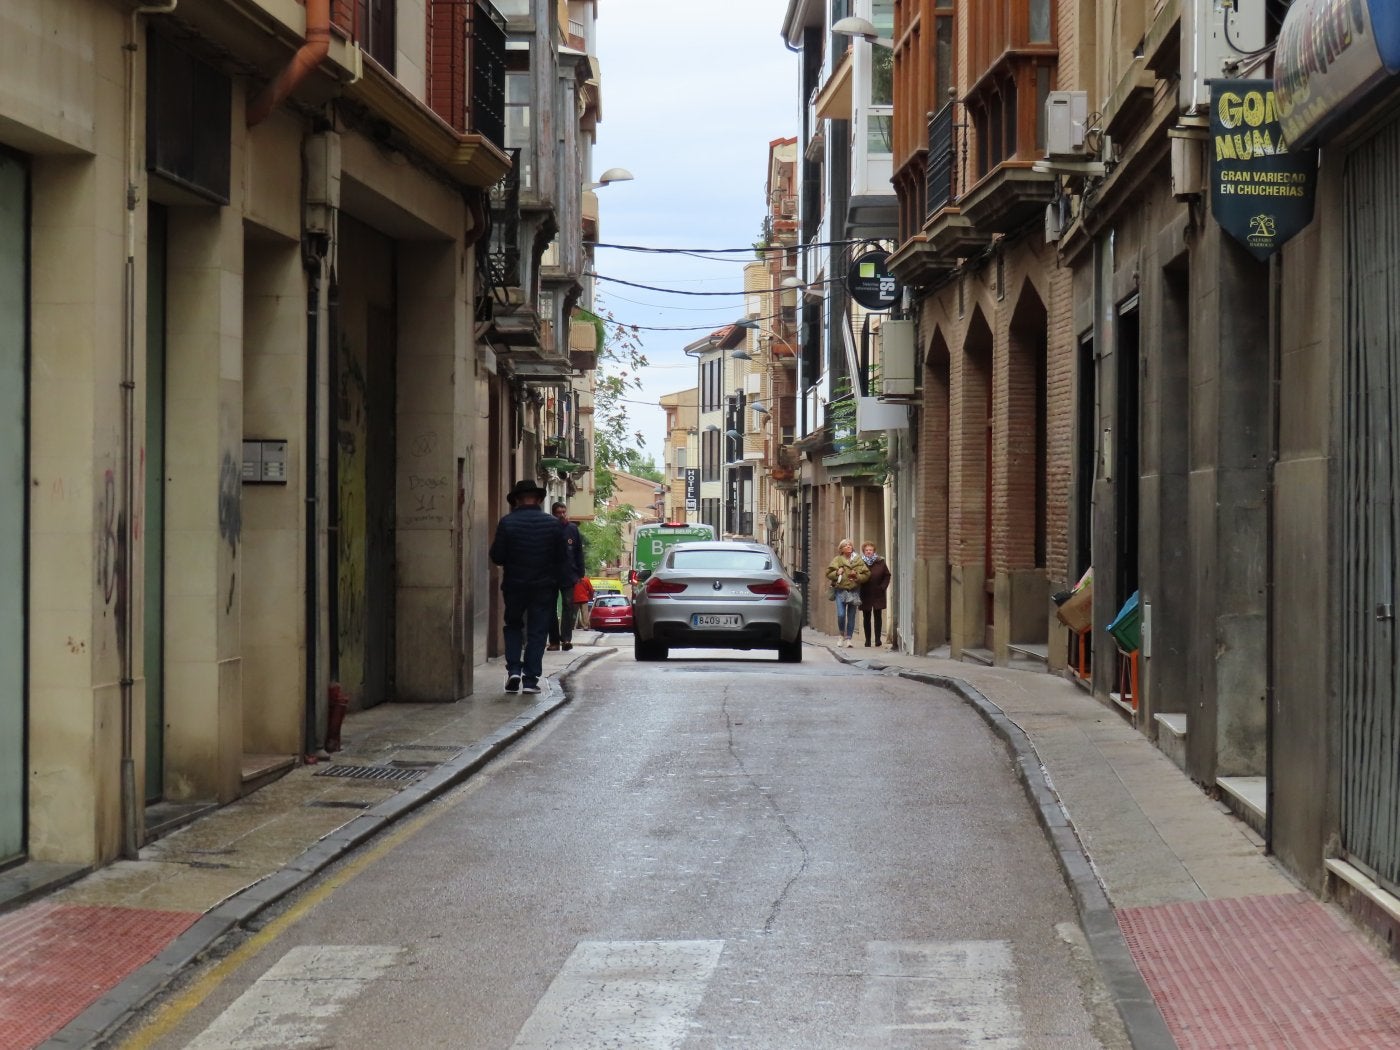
(525, 487)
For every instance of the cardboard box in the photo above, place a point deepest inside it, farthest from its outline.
(1077, 613)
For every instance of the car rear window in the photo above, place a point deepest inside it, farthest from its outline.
(732, 561)
(610, 599)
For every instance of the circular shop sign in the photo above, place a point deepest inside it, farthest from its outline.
(870, 282)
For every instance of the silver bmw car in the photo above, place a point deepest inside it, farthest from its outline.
(720, 594)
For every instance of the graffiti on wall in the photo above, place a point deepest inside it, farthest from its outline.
(111, 553)
(231, 502)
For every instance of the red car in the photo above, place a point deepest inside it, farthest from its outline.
(610, 612)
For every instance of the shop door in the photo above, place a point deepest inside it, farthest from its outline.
(14, 385)
(1367, 533)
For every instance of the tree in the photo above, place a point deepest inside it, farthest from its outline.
(620, 361)
(602, 538)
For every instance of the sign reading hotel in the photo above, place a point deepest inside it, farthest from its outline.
(1261, 192)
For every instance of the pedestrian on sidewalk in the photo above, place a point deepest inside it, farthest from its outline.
(846, 573)
(872, 591)
(530, 548)
(561, 627)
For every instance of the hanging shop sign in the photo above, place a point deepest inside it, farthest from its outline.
(692, 489)
(1261, 191)
(1330, 54)
(870, 282)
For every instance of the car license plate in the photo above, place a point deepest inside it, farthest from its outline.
(714, 620)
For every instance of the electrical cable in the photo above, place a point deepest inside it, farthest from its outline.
(682, 291)
(749, 249)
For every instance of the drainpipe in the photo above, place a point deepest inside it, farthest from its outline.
(307, 58)
(314, 250)
(130, 816)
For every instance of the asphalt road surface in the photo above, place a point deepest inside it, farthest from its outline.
(716, 851)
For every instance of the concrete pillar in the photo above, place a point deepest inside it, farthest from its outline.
(204, 505)
(1228, 512)
(274, 515)
(77, 519)
(435, 476)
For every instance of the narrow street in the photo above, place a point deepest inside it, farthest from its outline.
(709, 852)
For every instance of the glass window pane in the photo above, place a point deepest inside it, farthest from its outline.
(878, 133)
(942, 61)
(1042, 91)
(1040, 21)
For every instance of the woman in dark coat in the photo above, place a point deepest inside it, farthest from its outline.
(872, 592)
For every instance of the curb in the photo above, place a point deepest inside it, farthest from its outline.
(137, 989)
(1146, 1028)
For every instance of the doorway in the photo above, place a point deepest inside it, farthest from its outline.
(1126, 466)
(154, 560)
(14, 502)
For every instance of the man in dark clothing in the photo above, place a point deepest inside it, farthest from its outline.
(529, 546)
(561, 628)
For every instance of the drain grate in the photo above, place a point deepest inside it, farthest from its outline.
(429, 747)
(371, 772)
(330, 803)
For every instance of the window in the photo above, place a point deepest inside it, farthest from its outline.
(681, 457)
(518, 123)
(735, 561)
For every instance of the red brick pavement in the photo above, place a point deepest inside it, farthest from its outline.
(57, 959)
(1264, 973)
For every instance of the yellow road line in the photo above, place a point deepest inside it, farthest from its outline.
(173, 1012)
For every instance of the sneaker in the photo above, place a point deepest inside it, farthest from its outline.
(513, 683)
(530, 686)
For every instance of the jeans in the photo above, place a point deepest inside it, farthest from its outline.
(846, 602)
(879, 617)
(561, 624)
(528, 614)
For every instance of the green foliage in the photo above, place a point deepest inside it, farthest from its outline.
(602, 538)
(842, 413)
(620, 360)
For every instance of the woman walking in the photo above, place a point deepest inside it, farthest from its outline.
(846, 573)
(872, 591)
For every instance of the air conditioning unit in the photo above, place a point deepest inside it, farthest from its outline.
(897, 358)
(789, 205)
(1066, 114)
(1215, 33)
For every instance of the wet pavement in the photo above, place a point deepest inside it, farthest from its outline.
(1204, 941)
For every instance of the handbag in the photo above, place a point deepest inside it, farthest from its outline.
(831, 593)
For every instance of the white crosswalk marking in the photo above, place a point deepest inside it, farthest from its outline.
(622, 994)
(944, 994)
(296, 1000)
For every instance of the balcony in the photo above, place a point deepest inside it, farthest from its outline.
(948, 234)
(1006, 109)
(459, 125)
(583, 345)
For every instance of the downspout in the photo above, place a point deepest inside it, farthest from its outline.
(307, 58)
(130, 817)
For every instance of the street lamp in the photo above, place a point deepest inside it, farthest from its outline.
(853, 25)
(609, 177)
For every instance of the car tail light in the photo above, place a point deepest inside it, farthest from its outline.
(657, 586)
(773, 589)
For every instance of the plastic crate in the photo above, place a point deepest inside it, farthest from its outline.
(1126, 627)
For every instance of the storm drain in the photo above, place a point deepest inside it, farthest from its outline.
(392, 773)
(430, 747)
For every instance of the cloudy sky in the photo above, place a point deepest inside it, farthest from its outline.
(692, 95)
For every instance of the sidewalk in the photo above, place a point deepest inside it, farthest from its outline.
(79, 961)
(1203, 941)
(1175, 894)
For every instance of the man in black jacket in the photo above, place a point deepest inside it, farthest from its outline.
(561, 628)
(529, 546)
